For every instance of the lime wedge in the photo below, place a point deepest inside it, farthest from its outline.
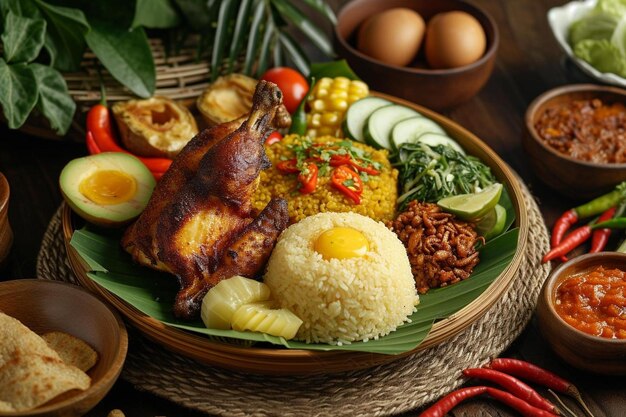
(493, 223)
(472, 206)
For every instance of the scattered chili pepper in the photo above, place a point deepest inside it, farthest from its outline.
(273, 138)
(616, 223)
(289, 166)
(99, 126)
(308, 179)
(562, 225)
(338, 160)
(518, 404)
(600, 237)
(348, 182)
(447, 403)
(592, 208)
(572, 241)
(533, 373)
(512, 385)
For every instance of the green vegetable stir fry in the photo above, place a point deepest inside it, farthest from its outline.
(432, 173)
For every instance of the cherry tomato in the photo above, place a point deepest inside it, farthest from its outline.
(273, 138)
(293, 85)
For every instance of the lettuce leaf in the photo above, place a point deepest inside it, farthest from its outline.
(603, 55)
(596, 26)
(616, 8)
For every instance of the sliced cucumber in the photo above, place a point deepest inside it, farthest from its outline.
(378, 127)
(410, 130)
(358, 113)
(434, 139)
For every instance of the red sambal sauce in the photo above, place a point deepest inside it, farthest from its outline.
(594, 302)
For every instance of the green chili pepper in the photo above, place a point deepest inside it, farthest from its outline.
(602, 203)
(298, 119)
(616, 223)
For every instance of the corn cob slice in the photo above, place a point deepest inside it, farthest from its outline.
(221, 302)
(261, 317)
(329, 102)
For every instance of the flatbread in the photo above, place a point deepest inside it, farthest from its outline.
(72, 350)
(14, 335)
(30, 380)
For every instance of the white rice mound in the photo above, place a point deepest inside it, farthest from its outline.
(342, 300)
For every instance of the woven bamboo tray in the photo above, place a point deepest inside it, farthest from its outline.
(182, 77)
(293, 361)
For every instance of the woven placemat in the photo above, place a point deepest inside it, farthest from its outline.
(388, 389)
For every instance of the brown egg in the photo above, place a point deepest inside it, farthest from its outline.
(454, 39)
(393, 36)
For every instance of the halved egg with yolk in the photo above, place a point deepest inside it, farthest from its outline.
(108, 189)
(341, 243)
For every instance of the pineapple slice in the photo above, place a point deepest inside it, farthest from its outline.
(262, 317)
(221, 302)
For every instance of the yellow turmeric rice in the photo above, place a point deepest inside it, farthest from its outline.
(378, 200)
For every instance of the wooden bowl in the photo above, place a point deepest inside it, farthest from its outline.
(435, 89)
(6, 234)
(581, 350)
(571, 177)
(276, 361)
(51, 305)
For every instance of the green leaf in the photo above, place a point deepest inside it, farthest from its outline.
(24, 8)
(125, 54)
(224, 17)
(602, 55)
(253, 39)
(323, 7)
(65, 37)
(333, 69)
(153, 293)
(295, 53)
(196, 13)
(54, 100)
(269, 40)
(22, 38)
(295, 16)
(594, 26)
(240, 32)
(155, 14)
(615, 8)
(18, 92)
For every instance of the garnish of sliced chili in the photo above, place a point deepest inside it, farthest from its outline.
(346, 180)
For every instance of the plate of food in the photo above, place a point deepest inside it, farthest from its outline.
(591, 33)
(382, 229)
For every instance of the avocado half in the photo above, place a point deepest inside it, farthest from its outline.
(109, 189)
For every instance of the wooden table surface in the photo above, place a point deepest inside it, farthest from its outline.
(529, 62)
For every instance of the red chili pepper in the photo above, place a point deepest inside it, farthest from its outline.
(273, 138)
(92, 148)
(533, 373)
(308, 179)
(339, 160)
(447, 403)
(99, 125)
(365, 169)
(512, 385)
(348, 182)
(572, 241)
(562, 225)
(600, 237)
(289, 166)
(518, 404)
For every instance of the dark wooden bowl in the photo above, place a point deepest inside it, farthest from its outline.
(6, 234)
(51, 305)
(581, 350)
(435, 89)
(571, 177)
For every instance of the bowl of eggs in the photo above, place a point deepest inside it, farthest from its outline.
(435, 53)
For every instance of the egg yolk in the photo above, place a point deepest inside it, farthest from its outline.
(341, 243)
(108, 187)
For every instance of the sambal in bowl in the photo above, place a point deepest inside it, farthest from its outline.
(582, 312)
(576, 139)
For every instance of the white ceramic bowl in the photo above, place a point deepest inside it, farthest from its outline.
(560, 19)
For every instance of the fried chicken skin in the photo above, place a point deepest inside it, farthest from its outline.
(198, 224)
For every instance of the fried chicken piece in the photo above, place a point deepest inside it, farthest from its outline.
(198, 224)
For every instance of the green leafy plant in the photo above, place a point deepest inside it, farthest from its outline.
(41, 39)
